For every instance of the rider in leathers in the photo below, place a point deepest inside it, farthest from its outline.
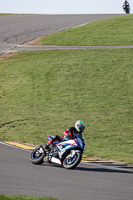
(68, 134)
(125, 3)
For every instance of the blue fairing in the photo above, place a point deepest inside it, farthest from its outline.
(80, 143)
(66, 146)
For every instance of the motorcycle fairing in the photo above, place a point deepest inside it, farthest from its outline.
(79, 143)
(67, 145)
(56, 160)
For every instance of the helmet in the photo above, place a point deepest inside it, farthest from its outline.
(80, 126)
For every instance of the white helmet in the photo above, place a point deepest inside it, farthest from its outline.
(80, 126)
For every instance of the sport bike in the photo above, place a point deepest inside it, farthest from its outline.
(67, 153)
(126, 8)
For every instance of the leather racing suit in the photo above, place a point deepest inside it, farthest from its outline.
(68, 134)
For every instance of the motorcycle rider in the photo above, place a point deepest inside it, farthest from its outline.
(78, 129)
(125, 3)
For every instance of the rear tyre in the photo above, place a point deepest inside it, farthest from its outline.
(37, 155)
(72, 159)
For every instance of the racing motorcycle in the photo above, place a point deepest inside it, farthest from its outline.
(67, 153)
(126, 8)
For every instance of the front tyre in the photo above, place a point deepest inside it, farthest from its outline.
(72, 159)
(37, 155)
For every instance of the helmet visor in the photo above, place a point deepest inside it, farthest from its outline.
(82, 129)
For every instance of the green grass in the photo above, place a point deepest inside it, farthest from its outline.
(45, 92)
(113, 31)
(9, 197)
(3, 13)
(7, 14)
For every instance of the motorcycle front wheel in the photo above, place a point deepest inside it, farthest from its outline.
(37, 156)
(127, 11)
(72, 159)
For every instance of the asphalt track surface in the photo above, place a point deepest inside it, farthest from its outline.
(51, 47)
(18, 176)
(18, 29)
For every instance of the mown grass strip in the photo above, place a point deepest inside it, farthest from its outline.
(114, 31)
(10, 197)
(8, 14)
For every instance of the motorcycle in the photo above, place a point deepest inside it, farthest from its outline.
(67, 153)
(126, 8)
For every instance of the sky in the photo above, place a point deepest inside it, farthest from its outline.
(63, 6)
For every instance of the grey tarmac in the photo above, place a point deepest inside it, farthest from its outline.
(18, 176)
(18, 29)
(50, 47)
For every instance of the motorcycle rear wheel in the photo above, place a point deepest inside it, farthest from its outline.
(37, 156)
(72, 160)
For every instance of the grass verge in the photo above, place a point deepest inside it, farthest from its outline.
(10, 197)
(45, 92)
(114, 31)
(7, 14)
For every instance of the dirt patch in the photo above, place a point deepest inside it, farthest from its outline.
(34, 42)
(7, 54)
